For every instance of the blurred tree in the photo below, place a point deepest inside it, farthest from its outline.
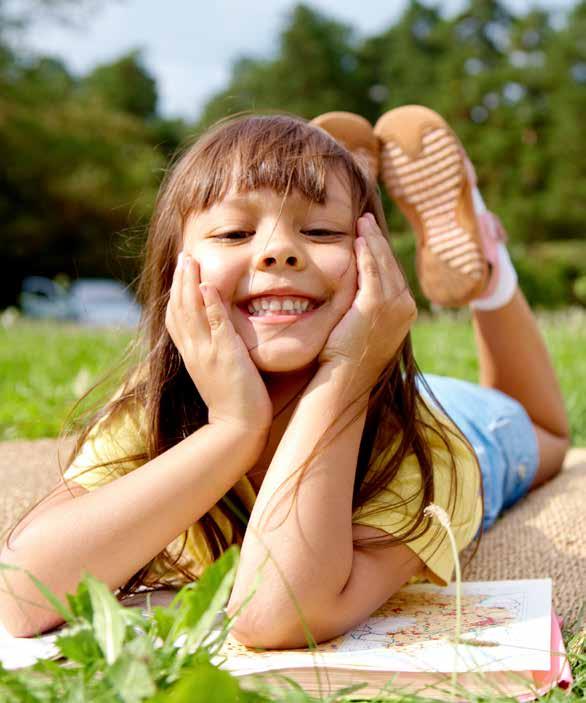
(15, 16)
(74, 174)
(124, 85)
(565, 192)
(314, 71)
(403, 60)
(82, 157)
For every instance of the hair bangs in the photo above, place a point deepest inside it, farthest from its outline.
(278, 152)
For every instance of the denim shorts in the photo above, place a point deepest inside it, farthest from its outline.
(499, 429)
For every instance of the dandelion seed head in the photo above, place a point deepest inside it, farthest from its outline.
(436, 511)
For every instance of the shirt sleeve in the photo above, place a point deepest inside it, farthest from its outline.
(395, 507)
(109, 440)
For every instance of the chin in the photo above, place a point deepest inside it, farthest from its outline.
(283, 362)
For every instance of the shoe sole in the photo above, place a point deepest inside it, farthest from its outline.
(356, 134)
(423, 169)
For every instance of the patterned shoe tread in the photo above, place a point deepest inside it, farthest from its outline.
(431, 184)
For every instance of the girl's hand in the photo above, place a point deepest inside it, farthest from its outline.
(372, 331)
(214, 355)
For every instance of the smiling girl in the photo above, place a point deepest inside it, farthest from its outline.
(277, 404)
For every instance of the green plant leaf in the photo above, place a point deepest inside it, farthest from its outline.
(196, 607)
(203, 684)
(79, 644)
(131, 679)
(77, 693)
(141, 648)
(134, 618)
(108, 620)
(20, 687)
(164, 617)
(81, 603)
(200, 602)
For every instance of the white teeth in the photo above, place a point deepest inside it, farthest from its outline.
(287, 306)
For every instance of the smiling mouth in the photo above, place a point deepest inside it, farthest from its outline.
(280, 314)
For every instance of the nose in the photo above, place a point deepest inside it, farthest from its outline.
(280, 250)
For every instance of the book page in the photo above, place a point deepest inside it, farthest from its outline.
(506, 626)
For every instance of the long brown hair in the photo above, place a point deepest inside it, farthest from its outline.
(280, 152)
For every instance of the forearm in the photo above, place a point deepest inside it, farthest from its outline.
(311, 540)
(114, 530)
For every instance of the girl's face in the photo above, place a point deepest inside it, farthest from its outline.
(263, 251)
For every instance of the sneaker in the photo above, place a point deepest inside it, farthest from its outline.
(427, 173)
(355, 133)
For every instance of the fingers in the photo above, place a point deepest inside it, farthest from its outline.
(173, 301)
(185, 306)
(391, 277)
(215, 310)
(369, 279)
(191, 298)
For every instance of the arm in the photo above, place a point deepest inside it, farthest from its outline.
(117, 528)
(336, 586)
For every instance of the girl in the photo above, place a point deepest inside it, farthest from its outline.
(276, 402)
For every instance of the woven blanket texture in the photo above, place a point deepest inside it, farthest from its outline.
(544, 535)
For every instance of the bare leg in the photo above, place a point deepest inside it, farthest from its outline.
(513, 358)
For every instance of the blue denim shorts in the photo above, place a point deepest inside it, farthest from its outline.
(499, 429)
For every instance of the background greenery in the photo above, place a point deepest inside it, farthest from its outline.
(83, 156)
(37, 391)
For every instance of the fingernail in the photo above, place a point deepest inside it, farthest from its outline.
(186, 261)
(180, 258)
(203, 288)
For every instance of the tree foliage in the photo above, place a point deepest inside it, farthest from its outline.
(83, 156)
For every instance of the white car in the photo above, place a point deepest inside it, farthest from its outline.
(88, 301)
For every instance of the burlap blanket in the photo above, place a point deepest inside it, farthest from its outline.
(544, 535)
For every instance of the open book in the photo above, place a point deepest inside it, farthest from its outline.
(510, 644)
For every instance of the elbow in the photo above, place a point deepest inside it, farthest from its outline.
(275, 629)
(21, 622)
(21, 613)
(274, 619)
(272, 635)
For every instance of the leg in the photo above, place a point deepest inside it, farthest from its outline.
(513, 358)
(426, 171)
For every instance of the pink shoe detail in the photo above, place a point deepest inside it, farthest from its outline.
(491, 232)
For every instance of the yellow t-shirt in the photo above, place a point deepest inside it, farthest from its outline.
(114, 439)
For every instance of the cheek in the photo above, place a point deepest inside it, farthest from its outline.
(340, 268)
(339, 262)
(214, 269)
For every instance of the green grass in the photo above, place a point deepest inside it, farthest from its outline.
(45, 366)
(445, 345)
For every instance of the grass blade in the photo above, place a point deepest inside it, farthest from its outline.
(108, 620)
